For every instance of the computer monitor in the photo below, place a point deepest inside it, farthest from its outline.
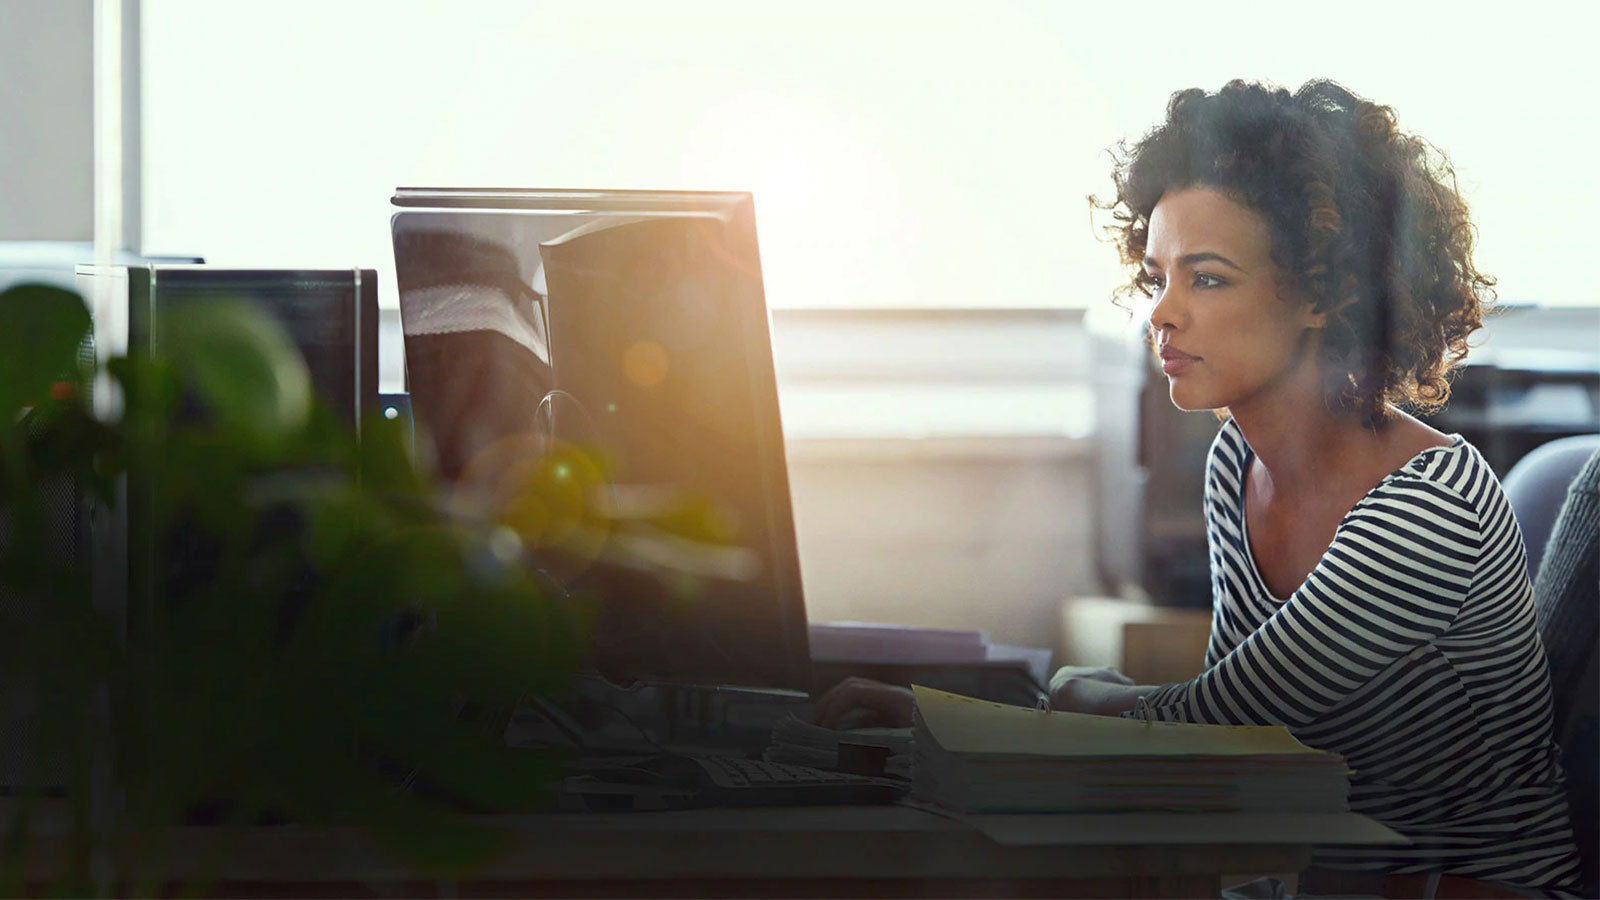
(331, 316)
(630, 327)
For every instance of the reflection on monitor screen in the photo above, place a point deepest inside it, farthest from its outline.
(595, 371)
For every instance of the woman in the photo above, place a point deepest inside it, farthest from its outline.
(1311, 270)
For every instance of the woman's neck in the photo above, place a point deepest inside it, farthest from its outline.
(1302, 442)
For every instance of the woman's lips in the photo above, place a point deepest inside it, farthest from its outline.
(1175, 361)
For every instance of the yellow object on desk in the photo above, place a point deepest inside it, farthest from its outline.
(1029, 776)
(970, 726)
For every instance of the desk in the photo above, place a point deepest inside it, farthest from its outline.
(798, 851)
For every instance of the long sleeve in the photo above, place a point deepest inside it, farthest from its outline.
(1394, 578)
(1410, 650)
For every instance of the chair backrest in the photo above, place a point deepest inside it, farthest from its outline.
(1566, 601)
(1537, 485)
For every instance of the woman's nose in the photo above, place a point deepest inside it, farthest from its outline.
(1166, 310)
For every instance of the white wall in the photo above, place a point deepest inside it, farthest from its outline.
(975, 536)
(940, 465)
(902, 152)
(46, 120)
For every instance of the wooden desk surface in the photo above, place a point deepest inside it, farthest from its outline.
(795, 851)
(796, 842)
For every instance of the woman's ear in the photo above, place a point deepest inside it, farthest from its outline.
(1318, 318)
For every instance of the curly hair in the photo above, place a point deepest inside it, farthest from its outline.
(1365, 220)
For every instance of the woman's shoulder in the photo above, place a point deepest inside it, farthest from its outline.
(1444, 476)
(1418, 452)
(1228, 448)
(1226, 463)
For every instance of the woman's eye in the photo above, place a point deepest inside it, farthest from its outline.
(1155, 283)
(1202, 280)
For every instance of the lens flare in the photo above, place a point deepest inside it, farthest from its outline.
(646, 363)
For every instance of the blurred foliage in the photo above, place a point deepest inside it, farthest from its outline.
(348, 640)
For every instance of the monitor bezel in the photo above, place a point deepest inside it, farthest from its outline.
(575, 200)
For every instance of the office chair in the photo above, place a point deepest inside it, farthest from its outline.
(1537, 485)
(1566, 600)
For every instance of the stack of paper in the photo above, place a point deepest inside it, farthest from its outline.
(883, 643)
(974, 756)
(879, 643)
(801, 743)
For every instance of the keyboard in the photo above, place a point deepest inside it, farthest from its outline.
(738, 772)
(737, 781)
(696, 781)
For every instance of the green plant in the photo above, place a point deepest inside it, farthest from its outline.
(347, 619)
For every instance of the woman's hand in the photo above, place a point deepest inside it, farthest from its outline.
(1090, 673)
(861, 702)
(1101, 691)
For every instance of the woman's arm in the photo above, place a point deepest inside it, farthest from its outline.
(1393, 579)
(857, 702)
(1096, 697)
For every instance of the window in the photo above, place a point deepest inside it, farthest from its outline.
(902, 154)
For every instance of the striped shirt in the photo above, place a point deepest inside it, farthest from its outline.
(1410, 650)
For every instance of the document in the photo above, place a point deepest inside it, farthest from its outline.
(976, 756)
(972, 727)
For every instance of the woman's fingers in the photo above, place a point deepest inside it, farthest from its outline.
(840, 699)
(824, 713)
(892, 703)
(855, 696)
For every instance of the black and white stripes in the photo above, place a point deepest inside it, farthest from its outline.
(1410, 649)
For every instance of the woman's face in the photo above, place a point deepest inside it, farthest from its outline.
(1225, 331)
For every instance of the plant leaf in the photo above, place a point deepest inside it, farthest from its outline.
(41, 328)
(242, 363)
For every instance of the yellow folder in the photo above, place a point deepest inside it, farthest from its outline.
(970, 727)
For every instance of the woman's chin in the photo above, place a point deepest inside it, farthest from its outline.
(1186, 398)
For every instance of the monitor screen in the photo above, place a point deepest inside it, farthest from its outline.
(618, 340)
(331, 316)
